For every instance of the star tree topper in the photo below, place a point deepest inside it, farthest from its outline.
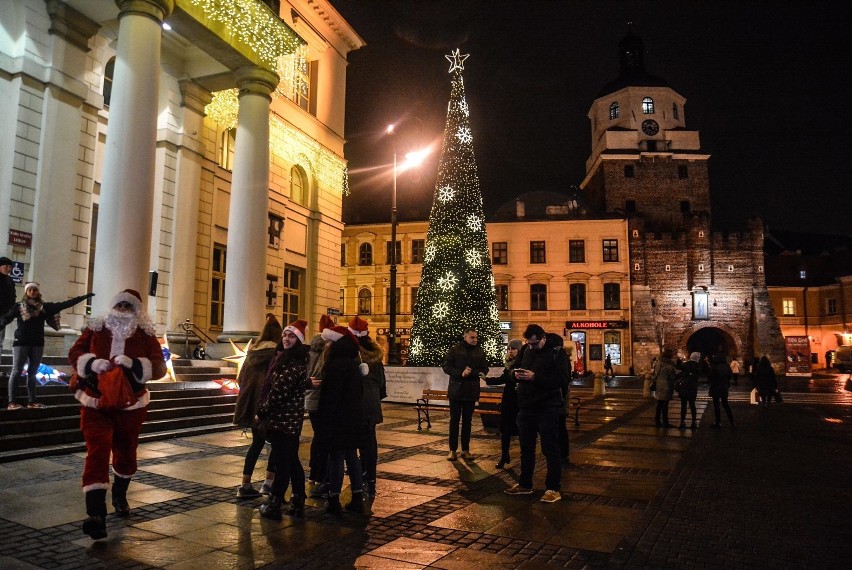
(456, 60)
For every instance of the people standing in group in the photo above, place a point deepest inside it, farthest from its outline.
(318, 461)
(32, 313)
(720, 378)
(608, 370)
(113, 360)
(280, 414)
(343, 424)
(465, 364)
(7, 293)
(509, 399)
(735, 371)
(687, 387)
(765, 381)
(543, 366)
(251, 380)
(375, 390)
(664, 382)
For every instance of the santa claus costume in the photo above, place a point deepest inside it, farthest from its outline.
(113, 359)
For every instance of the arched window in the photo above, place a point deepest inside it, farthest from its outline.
(109, 71)
(365, 254)
(538, 297)
(675, 112)
(648, 106)
(365, 302)
(298, 186)
(613, 110)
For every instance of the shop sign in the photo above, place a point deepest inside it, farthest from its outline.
(17, 237)
(588, 325)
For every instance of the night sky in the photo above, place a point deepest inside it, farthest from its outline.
(766, 84)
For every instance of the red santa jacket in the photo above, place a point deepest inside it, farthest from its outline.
(97, 342)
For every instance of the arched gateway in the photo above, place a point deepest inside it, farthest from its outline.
(712, 338)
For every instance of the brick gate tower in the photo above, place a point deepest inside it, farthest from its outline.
(692, 289)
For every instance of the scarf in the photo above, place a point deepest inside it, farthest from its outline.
(31, 308)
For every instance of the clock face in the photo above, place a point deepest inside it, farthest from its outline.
(650, 127)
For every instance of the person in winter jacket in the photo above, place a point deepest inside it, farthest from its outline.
(720, 377)
(318, 463)
(113, 359)
(665, 381)
(281, 411)
(32, 313)
(687, 385)
(765, 381)
(509, 399)
(251, 380)
(541, 374)
(465, 364)
(375, 390)
(7, 293)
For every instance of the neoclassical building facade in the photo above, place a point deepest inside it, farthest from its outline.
(190, 149)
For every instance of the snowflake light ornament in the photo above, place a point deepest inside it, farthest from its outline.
(464, 108)
(472, 257)
(441, 310)
(429, 254)
(473, 222)
(463, 134)
(446, 193)
(448, 281)
(416, 347)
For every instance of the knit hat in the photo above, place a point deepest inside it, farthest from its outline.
(6, 261)
(128, 296)
(695, 357)
(358, 326)
(337, 332)
(31, 285)
(325, 322)
(516, 343)
(298, 329)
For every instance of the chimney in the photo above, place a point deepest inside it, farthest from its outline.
(520, 211)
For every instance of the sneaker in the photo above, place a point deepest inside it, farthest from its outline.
(451, 456)
(36, 405)
(247, 492)
(266, 489)
(517, 490)
(14, 406)
(466, 454)
(551, 496)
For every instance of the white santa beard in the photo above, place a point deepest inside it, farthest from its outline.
(122, 326)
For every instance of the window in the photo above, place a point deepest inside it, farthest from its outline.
(271, 290)
(502, 294)
(389, 257)
(343, 255)
(413, 297)
(365, 254)
(788, 307)
(612, 296)
(276, 225)
(831, 306)
(499, 253)
(365, 302)
(291, 294)
(217, 286)
(538, 297)
(576, 251)
(613, 111)
(109, 71)
(612, 346)
(418, 248)
(304, 82)
(298, 186)
(226, 148)
(342, 305)
(648, 106)
(610, 250)
(682, 172)
(675, 112)
(630, 207)
(577, 297)
(537, 252)
(628, 171)
(685, 207)
(388, 301)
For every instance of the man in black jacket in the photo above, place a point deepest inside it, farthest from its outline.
(543, 369)
(7, 293)
(465, 364)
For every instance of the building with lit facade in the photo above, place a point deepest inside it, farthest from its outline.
(185, 148)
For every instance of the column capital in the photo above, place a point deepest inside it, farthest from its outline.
(193, 96)
(256, 81)
(71, 25)
(159, 10)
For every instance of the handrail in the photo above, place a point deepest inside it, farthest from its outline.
(189, 327)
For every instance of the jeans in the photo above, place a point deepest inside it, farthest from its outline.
(683, 403)
(717, 413)
(20, 356)
(460, 410)
(370, 455)
(335, 471)
(288, 466)
(531, 424)
(253, 453)
(661, 415)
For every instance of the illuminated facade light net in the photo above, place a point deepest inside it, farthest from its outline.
(457, 247)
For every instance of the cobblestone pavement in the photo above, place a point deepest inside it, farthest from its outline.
(772, 493)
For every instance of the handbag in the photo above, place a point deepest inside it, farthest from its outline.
(753, 397)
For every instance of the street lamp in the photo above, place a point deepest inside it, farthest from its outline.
(412, 159)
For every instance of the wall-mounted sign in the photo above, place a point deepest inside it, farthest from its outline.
(595, 324)
(505, 325)
(332, 312)
(399, 331)
(17, 237)
(17, 273)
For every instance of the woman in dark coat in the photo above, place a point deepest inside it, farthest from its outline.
(720, 377)
(251, 380)
(375, 390)
(509, 400)
(665, 381)
(282, 411)
(343, 424)
(687, 387)
(765, 381)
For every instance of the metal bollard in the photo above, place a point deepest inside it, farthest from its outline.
(600, 385)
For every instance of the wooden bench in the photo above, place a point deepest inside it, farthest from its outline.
(427, 402)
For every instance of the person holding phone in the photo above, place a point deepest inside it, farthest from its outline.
(465, 364)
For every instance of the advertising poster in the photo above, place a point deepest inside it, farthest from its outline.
(798, 360)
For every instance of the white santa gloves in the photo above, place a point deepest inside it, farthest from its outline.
(100, 365)
(124, 360)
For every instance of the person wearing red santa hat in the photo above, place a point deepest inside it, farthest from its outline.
(375, 390)
(319, 458)
(113, 359)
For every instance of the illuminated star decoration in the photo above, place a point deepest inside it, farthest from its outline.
(463, 134)
(168, 357)
(456, 60)
(239, 356)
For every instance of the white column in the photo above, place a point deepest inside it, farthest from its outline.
(245, 284)
(127, 189)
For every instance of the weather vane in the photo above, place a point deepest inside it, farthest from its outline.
(456, 60)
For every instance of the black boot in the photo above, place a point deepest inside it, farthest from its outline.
(504, 459)
(95, 525)
(332, 505)
(297, 507)
(357, 503)
(119, 496)
(271, 509)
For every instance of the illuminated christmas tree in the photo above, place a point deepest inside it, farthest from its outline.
(456, 284)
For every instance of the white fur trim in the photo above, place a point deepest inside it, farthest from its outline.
(143, 402)
(147, 370)
(127, 298)
(356, 333)
(95, 486)
(329, 334)
(86, 400)
(296, 332)
(117, 474)
(83, 361)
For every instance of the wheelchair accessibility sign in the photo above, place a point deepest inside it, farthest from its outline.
(17, 273)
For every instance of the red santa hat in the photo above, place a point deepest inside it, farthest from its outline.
(325, 322)
(336, 333)
(358, 326)
(129, 296)
(31, 285)
(298, 329)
